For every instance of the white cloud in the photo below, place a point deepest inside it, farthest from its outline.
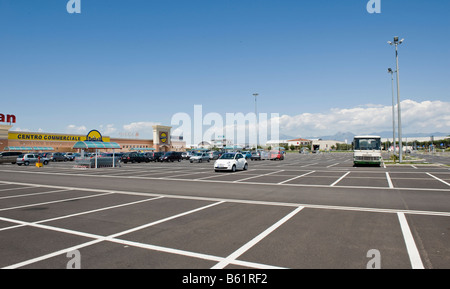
(71, 128)
(426, 116)
(108, 129)
(20, 129)
(140, 126)
(141, 129)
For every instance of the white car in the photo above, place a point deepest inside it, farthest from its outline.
(231, 162)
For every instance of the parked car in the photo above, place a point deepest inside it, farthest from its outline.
(157, 156)
(186, 155)
(256, 156)
(247, 154)
(134, 157)
(150, 156)
(109, 155)
(231, 162)
(200, 157)
(9, 157)
(55, 157)
(276, 155)
(27, 159)
(303, 151)
(70, 156)
(76, 155)
(170, 157)
(265, 155)
(214, 155)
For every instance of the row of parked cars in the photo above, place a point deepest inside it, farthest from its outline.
(135, 157)
(248, 155)
(267, 155)
(21, 158)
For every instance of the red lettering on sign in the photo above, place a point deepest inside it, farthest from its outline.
(8, 118)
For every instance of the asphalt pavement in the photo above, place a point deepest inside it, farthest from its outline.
(307, 211)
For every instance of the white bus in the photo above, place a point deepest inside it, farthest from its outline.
(367, 150)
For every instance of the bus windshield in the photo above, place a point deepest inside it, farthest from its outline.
(366, 144)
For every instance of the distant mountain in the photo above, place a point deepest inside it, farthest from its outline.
(287, 137)
(388, 134)
(348, 136)
(340, 136)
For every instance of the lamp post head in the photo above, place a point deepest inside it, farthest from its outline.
(397, 41)
(390, 70)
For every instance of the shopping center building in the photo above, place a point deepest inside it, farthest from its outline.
(41, 141)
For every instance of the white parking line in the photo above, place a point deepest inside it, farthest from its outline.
(388, 177)
(53, 202)
(308, 165)
(111, 238)
(85, 213)
(413, 253)
(222, 264)
(442, 181)
(257, 202)
(257, 176)
(185, 174)
(208, 177)
(340, 179)
(20, 188)
(333, 165)
(33, 194)
(291, 179)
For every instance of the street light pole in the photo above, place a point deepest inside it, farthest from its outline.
(393, 108)
(257, 124)
(400, 143)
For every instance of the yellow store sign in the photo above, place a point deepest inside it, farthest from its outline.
(51, 137)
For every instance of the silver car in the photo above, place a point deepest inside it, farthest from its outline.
(214, 155)
(27, 159)
(9, 157)
(199, 157)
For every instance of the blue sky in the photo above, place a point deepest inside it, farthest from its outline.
(142, 61)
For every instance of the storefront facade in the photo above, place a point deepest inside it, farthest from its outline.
(65, 142)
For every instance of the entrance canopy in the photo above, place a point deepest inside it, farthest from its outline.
(18, 148)
(29, 149)
(96, 145)
(43, 148)
(142, 149)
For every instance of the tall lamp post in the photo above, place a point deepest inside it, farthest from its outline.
(393, 108)
(396, 43)
(257, 124)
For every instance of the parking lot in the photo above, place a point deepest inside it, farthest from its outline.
(308, 211)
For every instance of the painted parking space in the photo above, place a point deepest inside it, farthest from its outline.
(433, 233)
(417, 180)
(71, 204)
(43, 197)
(346, 238)
(368, 179)
(236, 228)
